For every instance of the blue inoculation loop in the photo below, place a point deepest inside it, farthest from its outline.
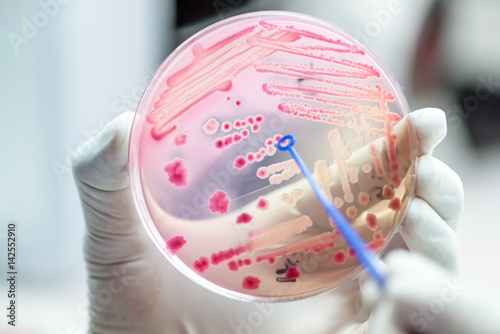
(366, 257)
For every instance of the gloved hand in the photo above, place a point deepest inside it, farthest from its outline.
(421, 297)
(133, 289)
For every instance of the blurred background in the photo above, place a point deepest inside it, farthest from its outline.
(67, 67)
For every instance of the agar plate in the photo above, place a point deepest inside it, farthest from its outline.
(227, 208)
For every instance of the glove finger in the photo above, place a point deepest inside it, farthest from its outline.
(425, 297)
(101, 175)
(441, 188)
(101, 162)
(426, 233)
(430, 125)
(383, 320)
(421, 297)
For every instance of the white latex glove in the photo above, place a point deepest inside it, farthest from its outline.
(421, 297)
(133, 289)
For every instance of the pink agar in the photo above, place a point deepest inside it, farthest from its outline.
(177, 172)
(219, 202)
(175, 244)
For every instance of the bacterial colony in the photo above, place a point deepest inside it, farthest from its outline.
(228, 208)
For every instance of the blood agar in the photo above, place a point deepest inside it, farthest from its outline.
(229, 210)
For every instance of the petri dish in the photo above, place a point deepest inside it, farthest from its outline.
(228, 209)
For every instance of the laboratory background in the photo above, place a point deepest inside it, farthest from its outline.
(67, 67)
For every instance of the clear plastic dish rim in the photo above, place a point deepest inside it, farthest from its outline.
(139, 119)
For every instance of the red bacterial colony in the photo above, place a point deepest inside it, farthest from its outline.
(240, 162)
(351, 252)
(339, 257)
(268, 150)
(367, 168)
(251, 283)
(371, 221)
(201, 265)
(226, 126)
(351, 212)
(262, 204)
(377, 242)
(175, 244)
(180, 139)
(211, 126)
(395, 204)
(177, 172)
(224, 255)
(235, 265)
(387, 192)
(363, 198)
(244, 218)
(292, 273)
(396, 179)
(219, 202)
